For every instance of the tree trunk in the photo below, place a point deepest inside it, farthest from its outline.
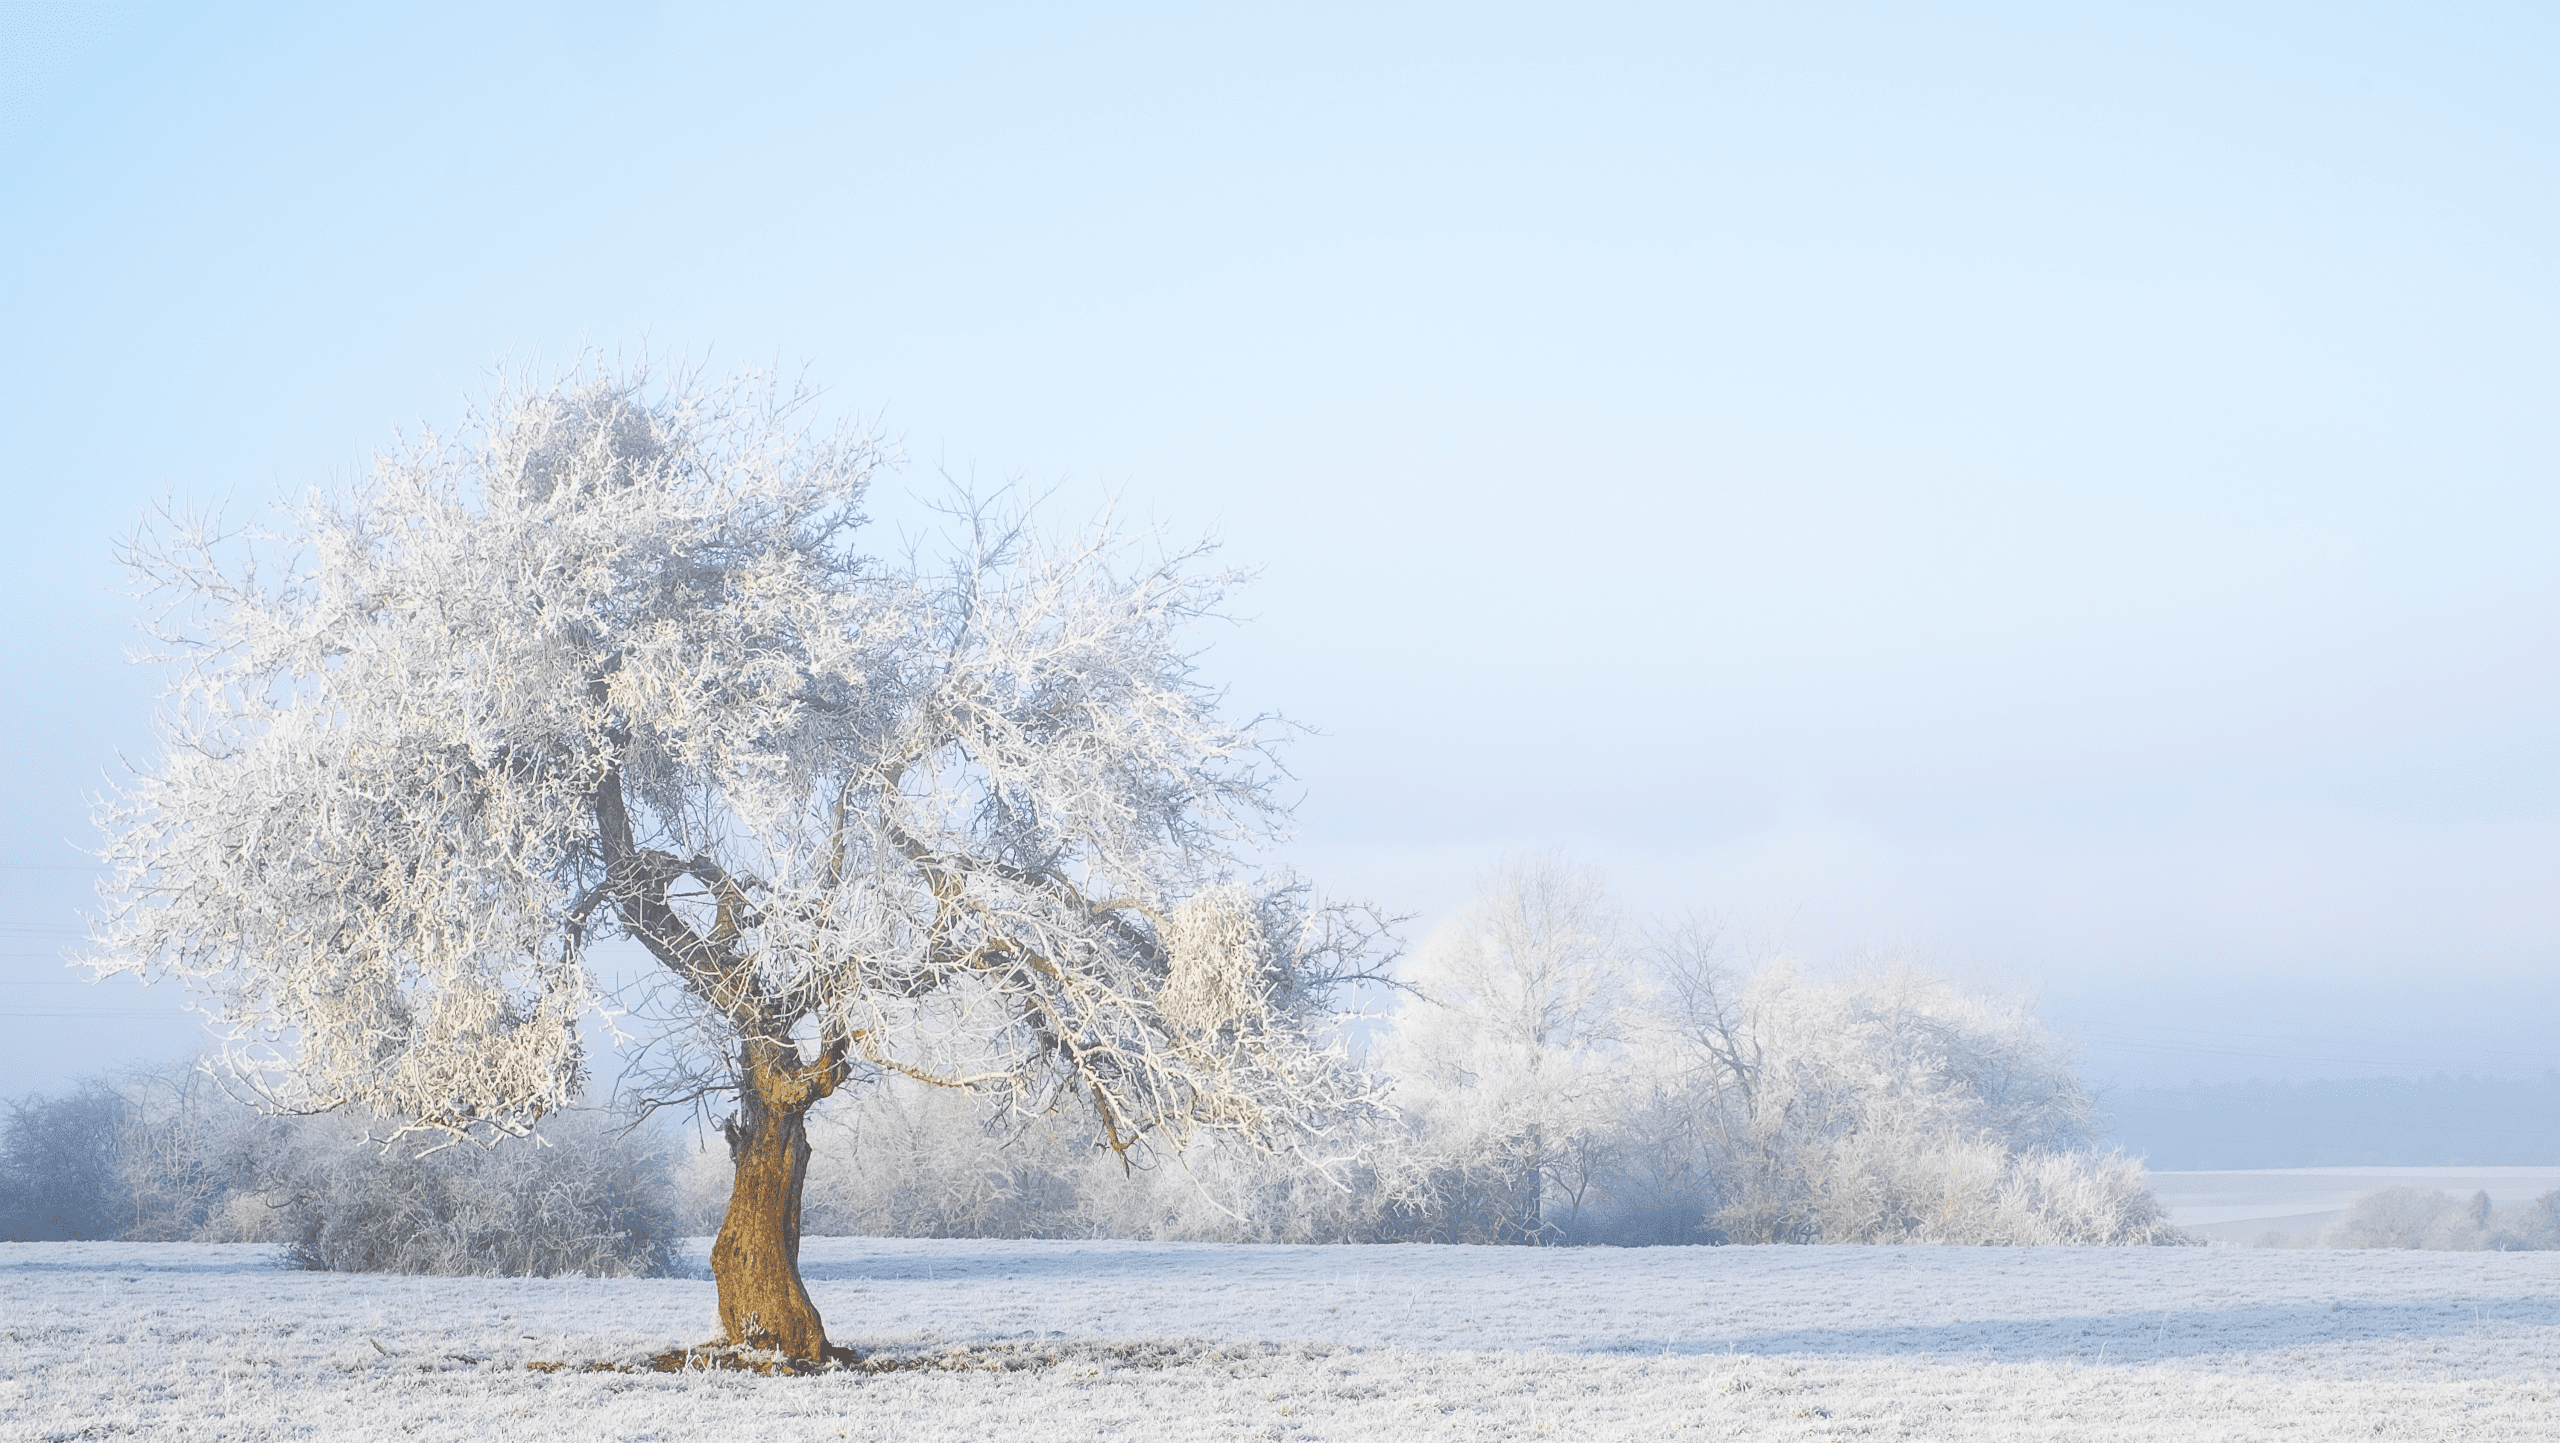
(756, 1259)
(1533, 1227)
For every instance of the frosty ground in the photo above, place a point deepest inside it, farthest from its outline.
(1049, 1341)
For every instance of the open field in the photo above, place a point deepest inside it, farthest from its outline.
(2292, 1206)
(1127, 1340)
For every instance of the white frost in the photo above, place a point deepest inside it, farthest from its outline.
(1339, 1343)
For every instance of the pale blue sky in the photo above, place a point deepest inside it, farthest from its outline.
(2066, 493)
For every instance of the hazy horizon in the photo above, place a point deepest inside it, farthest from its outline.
(2063, 498)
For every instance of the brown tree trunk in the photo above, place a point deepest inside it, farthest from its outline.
(756, 1259)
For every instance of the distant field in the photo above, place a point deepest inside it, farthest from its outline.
(2295, 1205)
(1143, 1341)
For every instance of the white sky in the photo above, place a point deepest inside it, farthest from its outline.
(2068, 495)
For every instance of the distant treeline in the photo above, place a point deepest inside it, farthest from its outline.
(169, 1156)
(2439, 1121)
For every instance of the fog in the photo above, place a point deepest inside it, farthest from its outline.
(2063, 498)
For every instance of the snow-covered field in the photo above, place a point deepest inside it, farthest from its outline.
(1147, 1341)
(2294, 1205)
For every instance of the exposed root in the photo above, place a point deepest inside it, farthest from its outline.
(1026, 1357)
(725, 1357)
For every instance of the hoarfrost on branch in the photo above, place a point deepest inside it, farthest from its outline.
(607, 660)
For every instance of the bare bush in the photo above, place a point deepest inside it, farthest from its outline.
(577, 1198)
(185, 1156)
(170, 1156)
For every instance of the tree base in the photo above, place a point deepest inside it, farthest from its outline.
(744, 1358)
(1090, 1359)
(720, 1357)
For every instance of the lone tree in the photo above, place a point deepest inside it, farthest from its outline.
(608, 661)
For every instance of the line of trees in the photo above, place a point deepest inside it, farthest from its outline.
(1554, 1075)
(1558, 1076)
(2431, 1218)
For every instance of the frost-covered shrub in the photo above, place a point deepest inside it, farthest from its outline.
(2078, 1197)
(1897, 1108)
(171, 1156)
(916, 1161)
(1886, 1190)
(151, 1157)
(186, 1158)
(1559, 1084)
(1879, 1107)
(579, 1197)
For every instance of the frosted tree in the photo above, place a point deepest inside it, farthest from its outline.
(607, 660)
(1886, 1106)
(1505, 1058)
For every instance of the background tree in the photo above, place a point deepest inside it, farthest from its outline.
(1562, 1084)
(1882, 1106)
(1507, 1059)
(58, 1165)
(167, 1154)
(608, 661)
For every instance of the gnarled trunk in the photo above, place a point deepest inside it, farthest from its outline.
(756, 1259)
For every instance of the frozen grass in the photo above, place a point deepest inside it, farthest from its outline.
(1147, 1341)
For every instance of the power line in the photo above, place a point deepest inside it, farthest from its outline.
(16, 1012)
